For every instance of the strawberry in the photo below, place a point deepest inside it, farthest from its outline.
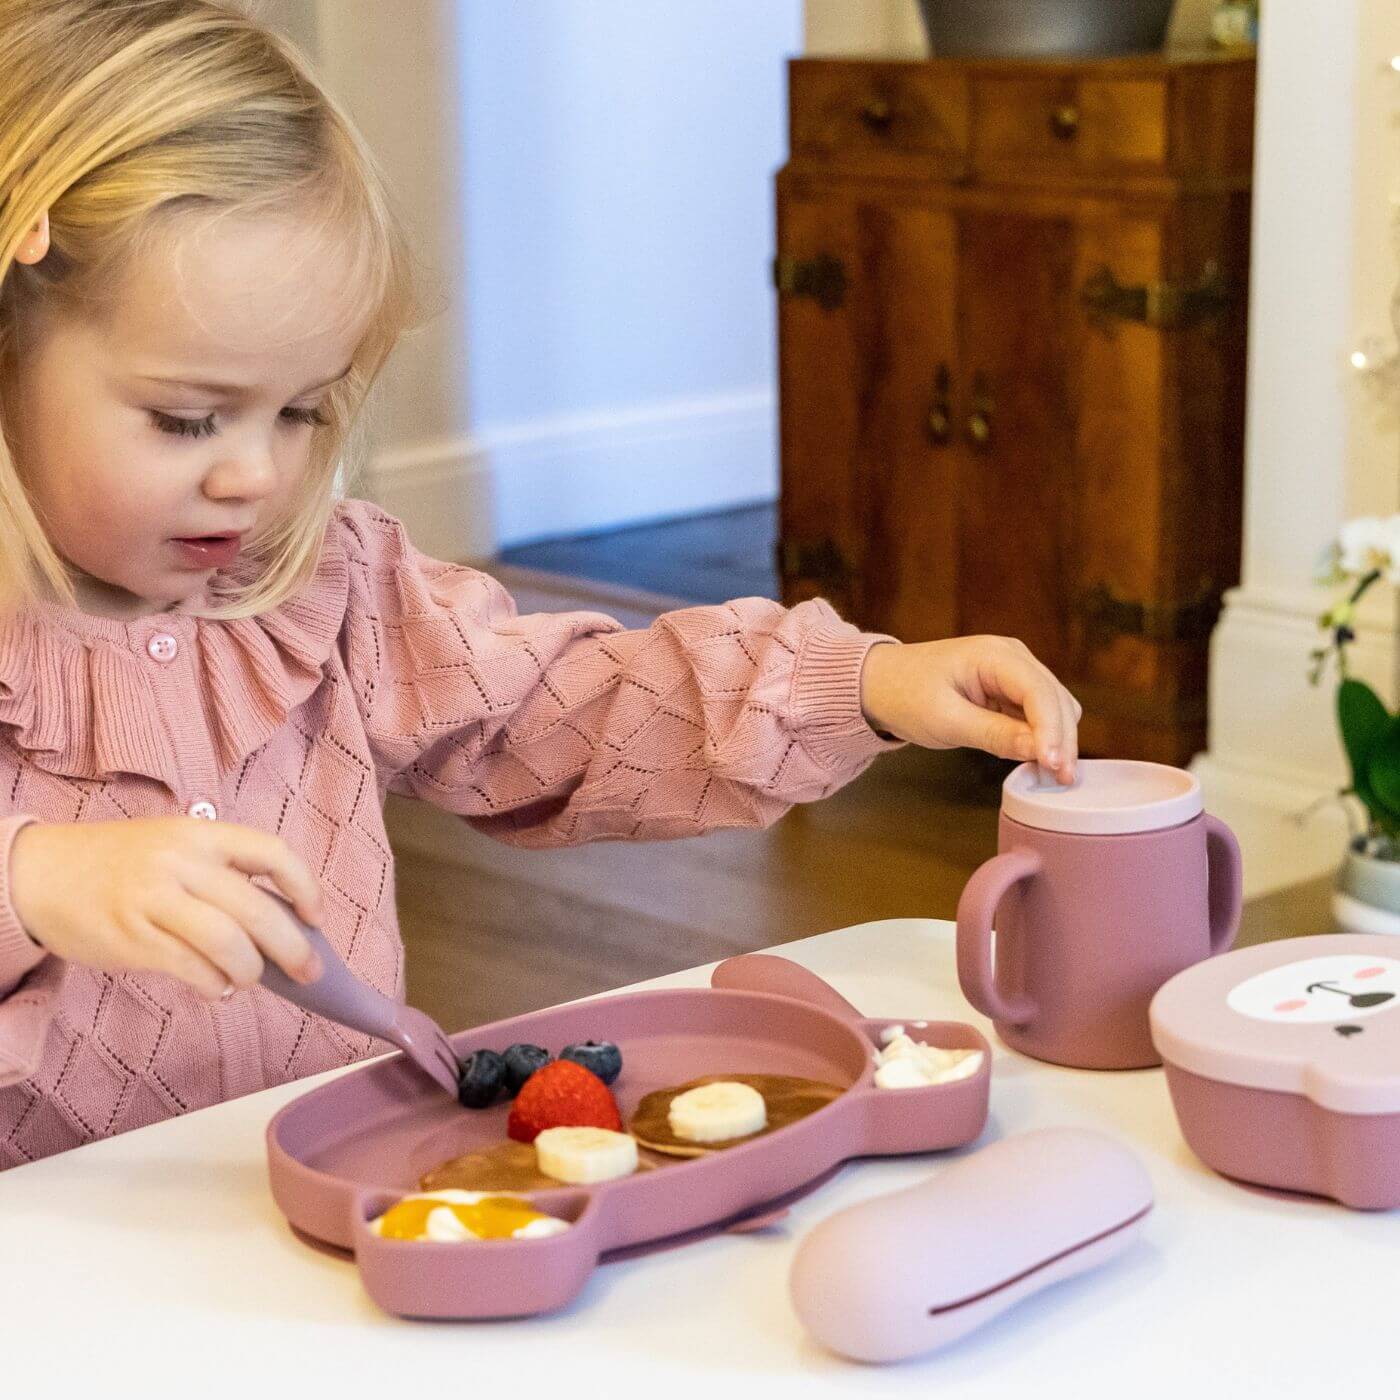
(562, 1095)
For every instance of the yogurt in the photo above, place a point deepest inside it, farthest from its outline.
(905, 1063)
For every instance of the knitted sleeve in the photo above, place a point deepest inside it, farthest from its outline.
(557, 729)
(28, 977)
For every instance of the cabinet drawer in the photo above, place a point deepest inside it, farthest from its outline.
(1071, 121)
(877, 114)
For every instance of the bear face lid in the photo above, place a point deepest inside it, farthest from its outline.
(1313, 1016)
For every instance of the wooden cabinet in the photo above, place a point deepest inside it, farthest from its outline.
(1012, 333)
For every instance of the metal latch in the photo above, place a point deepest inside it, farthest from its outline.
(820, 561)
(1189, 620)
(1164, 305)
(822, 278)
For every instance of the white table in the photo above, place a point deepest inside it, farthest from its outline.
(156, 1263)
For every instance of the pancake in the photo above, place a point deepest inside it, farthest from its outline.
(504, 1166)
(787, 1099)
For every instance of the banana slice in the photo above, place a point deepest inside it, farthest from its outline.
(585, 1156)
(717, 1112)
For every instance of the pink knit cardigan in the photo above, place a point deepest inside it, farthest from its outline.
(388, 672)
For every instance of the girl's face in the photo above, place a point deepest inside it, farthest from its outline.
(185, 409)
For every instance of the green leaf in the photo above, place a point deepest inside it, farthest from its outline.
(1364, 722)
(1383, 771)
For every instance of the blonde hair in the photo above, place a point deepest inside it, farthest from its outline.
(116, 115)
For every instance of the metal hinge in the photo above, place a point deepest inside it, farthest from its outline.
(1164, 305)
(820, 561)
(822, 278)
(1191, 620)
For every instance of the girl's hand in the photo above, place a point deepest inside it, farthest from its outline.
(168, 895)
(983, 692)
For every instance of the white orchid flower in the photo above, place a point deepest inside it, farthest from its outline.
(1369, 542)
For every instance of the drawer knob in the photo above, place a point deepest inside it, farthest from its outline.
(979, 422)
(1064, 121)
(877, 113)
(939, 422)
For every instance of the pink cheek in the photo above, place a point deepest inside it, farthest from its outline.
(1368, 972)
(1294, 1005)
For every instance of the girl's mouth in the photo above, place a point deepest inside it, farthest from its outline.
(209, 551)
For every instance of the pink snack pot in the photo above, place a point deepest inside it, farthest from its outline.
(1100, 893)
(912, 1271)
(1283, 1062)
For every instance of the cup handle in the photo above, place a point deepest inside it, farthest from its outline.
(976, 910)
(1226, 874)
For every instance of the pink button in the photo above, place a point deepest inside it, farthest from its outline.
(206, 810)
(163, 647)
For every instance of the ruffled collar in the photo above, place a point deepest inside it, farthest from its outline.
(76, 690)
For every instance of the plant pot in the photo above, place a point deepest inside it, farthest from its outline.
(1367, 894)
(1036, 28)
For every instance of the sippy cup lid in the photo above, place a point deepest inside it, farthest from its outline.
(1109, 796)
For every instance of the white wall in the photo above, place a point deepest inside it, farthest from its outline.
(392, 66)
(619, 160)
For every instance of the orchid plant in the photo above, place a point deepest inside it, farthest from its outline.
(1366, 552)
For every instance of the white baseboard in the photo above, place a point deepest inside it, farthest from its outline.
(573, 476)
(1274, 747)
(1287, 833)
(443, 492)
(466, 497)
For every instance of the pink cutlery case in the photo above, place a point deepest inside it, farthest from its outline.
(1283, 1062)
(343, 1153)
(914, 1270)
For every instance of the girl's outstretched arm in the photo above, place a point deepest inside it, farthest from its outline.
(557, 729)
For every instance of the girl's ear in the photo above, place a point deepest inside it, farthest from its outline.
(35, 248)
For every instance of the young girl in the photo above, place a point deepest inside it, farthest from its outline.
(212, 670)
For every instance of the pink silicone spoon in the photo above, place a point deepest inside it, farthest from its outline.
(340, 996)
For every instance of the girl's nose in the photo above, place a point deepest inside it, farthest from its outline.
(249, 476)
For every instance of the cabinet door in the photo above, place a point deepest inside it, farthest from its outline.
(868, 378)
(1015, 492)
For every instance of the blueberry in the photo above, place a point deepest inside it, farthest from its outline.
(483, 1073)
(521, 1061)
(600, 1056)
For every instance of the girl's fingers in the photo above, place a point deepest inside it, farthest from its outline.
(209, 932)
(1070, 729)
(1021, 679)
(259, 853)
(167, 953)
(260, 916)
(996, 733)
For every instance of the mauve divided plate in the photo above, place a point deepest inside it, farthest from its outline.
(1283, 1062)
(343, 1153)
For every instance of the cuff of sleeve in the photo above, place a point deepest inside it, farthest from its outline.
(826, 696)
(19, 953)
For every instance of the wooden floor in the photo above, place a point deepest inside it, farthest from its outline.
(492, 931)
(705, 558)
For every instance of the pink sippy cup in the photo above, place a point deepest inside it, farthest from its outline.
(1101, 892)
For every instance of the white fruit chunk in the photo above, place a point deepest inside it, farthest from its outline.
(717, 1112)
(585, 1156)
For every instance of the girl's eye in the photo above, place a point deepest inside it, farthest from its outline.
(206, 427)
(184, 427)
